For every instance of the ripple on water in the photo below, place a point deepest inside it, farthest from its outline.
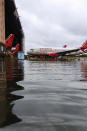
(55, 97)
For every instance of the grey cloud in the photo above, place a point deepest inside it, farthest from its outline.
(53, 22)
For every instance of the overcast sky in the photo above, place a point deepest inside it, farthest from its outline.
(53, 23)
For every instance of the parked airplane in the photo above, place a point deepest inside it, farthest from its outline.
(9, 42)
(56, 52)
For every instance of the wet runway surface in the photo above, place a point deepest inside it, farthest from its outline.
(44, 96)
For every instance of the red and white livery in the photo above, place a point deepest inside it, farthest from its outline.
(56, 52)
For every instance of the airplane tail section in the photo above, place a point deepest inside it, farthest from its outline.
(17, 48)
(64, 46)
(9, 40)
(84, 46)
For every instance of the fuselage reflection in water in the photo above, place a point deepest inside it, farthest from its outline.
(11, 71)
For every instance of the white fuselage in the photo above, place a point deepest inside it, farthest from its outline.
(45, 51)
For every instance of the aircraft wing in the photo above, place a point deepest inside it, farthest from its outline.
(82, 48)
(62, 53)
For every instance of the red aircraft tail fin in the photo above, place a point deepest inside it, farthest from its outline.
(17, 48)
(64, 46)
(9, 40)
(84, 46)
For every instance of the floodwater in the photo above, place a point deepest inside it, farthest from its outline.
(43, 96)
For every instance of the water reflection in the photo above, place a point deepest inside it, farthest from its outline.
(14, 70)
(11, 71)
(7, 117)
(83, 65)
(2, 72)
(53, 96)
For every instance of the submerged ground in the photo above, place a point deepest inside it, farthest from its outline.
(45, 96)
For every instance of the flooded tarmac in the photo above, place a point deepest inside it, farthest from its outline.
(43, 96)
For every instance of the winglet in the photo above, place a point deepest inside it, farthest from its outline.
(9, 40)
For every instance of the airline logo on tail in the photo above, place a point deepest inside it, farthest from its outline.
(9, 40)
